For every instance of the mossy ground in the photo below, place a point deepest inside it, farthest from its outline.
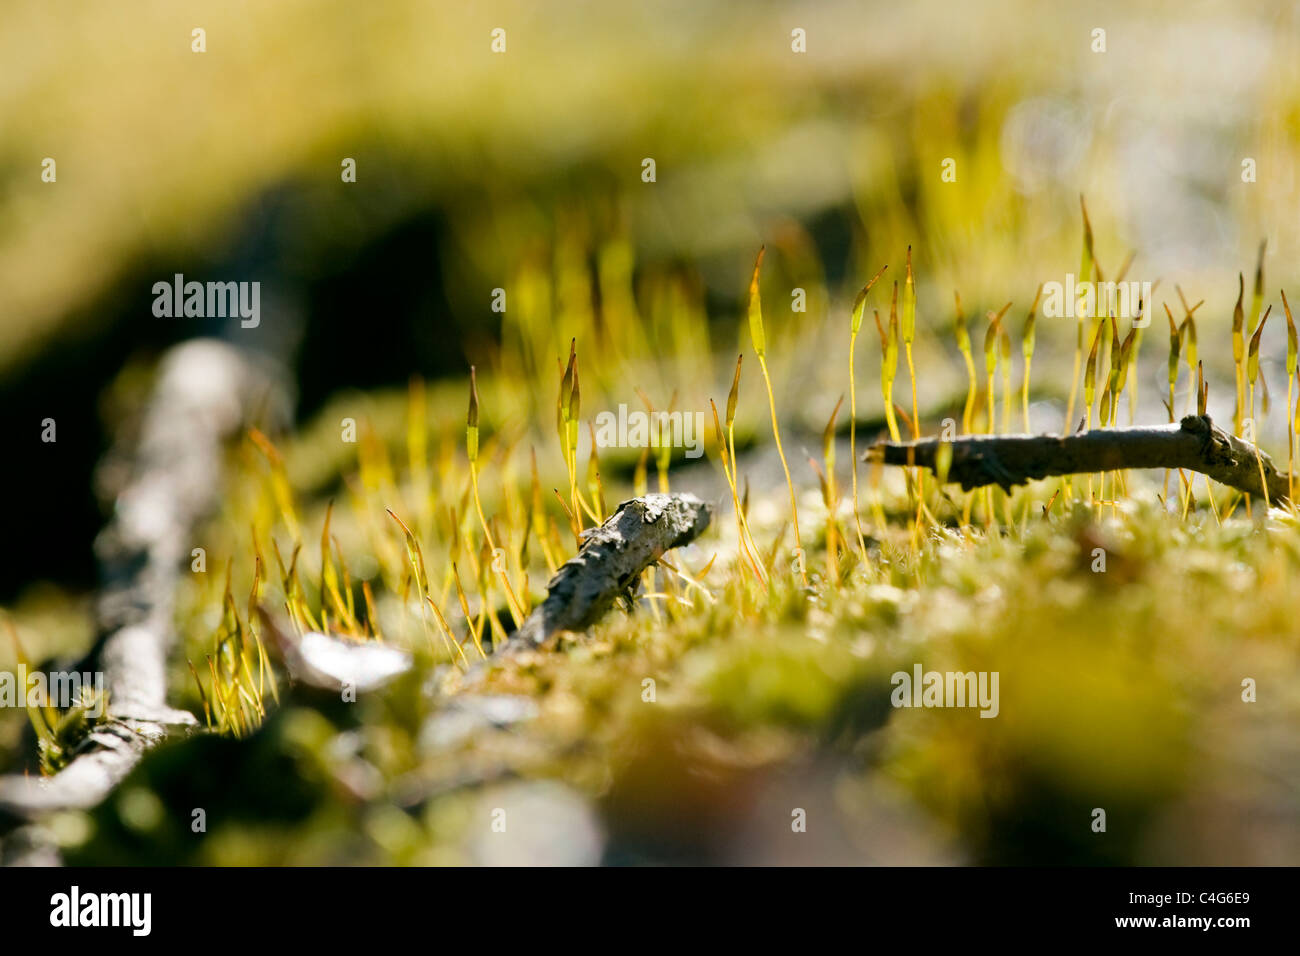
(1121, 689)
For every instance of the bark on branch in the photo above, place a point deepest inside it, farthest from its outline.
(203, 392)
(609, 562)
(1194, 444)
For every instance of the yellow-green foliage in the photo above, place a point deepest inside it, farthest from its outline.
(1107, 712)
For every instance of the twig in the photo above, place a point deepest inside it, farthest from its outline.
(1194, 444)
(609, 562)
(203, 392)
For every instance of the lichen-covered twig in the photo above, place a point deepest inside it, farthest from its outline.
(1194, 444)
(609, 562)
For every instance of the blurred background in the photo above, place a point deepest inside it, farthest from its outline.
(523, 170)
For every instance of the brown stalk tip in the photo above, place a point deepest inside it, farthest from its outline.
(575, 397)
(733, 395)
(1254, 339)
(758, 267)
(472, 420)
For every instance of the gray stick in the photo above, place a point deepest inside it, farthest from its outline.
(203, 391)
(611, 558)
(1194, 444)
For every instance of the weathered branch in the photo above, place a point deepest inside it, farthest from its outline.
(1194, 444)
(203, 391)
(609, 562)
